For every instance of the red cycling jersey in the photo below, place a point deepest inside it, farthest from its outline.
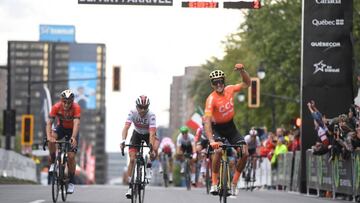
(65, 118)
(221, 106)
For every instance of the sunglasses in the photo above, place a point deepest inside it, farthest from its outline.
(216, 82)
(67, 102)
(142, 107)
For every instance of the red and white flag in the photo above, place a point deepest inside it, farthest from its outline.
(196, 119)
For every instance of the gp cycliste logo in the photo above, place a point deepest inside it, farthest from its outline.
(326, 22)
(322, 67)
(328, 1)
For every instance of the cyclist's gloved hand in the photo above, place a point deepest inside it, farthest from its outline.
(122, 146)
(73, 142)
(215, 145)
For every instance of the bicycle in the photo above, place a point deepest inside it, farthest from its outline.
(187, 171)
(138, 175)
(164, 163)
(59, 177)
(208, 163)
(249, 173)
(224, 174)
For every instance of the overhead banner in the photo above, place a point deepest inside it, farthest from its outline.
(327, 63)
(129, 2)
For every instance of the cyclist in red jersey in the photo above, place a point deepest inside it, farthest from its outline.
(219, 113)
(67, 113)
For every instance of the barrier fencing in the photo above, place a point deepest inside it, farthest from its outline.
(337, 176)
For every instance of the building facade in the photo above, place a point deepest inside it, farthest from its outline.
(41, 70)
(181, 103)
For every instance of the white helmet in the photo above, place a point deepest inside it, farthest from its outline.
(253, 132)
(67, 94)
(217, 74)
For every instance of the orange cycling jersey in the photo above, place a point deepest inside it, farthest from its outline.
(65, 118)
(221, 106)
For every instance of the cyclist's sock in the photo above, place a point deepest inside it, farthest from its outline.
(214, 178)
(193, 177)
(129, 180)
(71, 177)
(236, 177)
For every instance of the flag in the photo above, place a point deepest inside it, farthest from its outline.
(196, 119)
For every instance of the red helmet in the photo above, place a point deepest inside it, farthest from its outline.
(167, 149)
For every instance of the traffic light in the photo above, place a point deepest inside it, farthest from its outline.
(116, 78)
(27, 129)
(254, 93)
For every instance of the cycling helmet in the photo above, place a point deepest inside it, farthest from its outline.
(253, 132)
(184, 129)
(217, 74)
(143, 101)
(67, 95)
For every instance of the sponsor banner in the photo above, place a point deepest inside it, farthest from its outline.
(129, 2)
(57, 33)
(85, 90)
(327, 62)
(312, 172)
(342, 176)
(325, 173)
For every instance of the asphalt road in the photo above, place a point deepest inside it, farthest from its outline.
(110, 194)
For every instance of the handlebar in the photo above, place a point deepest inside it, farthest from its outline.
(134, 145)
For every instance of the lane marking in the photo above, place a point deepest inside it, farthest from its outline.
(38, 201)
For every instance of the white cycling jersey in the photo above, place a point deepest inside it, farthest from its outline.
(166, 141)
(142, 124)
(252, 144)
(182, 141)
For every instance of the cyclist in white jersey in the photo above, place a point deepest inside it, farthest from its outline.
(144, 129)
(185, 144)
(167, 147)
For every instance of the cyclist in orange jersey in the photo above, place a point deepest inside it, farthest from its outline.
(219, 113)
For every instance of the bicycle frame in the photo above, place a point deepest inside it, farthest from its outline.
(60, 179)
(224, 173)
(187, 171)
(138, 179)
(164, 161)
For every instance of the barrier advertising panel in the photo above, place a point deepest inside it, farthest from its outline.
(325, 173)
(342, 176)
(311, 171)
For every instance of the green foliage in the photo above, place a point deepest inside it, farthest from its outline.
(270, 37)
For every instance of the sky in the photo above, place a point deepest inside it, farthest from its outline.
(151, 44)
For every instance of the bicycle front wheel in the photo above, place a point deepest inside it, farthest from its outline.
(55, 185)
(207, 176)
(141, 183)
(134, 186)
(63, 182)
(224, 188)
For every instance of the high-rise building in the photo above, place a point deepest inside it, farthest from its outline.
(3, 88)
(40, 70)
(181, 103)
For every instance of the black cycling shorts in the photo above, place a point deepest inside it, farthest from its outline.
(227, 130)
(67, 133)
(136, 139)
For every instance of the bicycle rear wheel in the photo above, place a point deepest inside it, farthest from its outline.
(55, 185)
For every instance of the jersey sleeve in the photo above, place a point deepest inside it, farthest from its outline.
(129, 119)
(209, 106)
(77, 111)
(152, 122)
(178, 140)
(235, 88)
(54, 110)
